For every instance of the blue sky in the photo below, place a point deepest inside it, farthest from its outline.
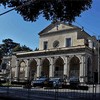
(14, 27)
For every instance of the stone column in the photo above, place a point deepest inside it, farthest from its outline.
(39, 68)
(82, 69)
(51, 68)
(86, 74)
(66, 67)
(17, 70)
(27, 69)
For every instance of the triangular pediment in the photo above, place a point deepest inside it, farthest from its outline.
(58, 26)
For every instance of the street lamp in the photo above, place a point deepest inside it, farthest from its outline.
(98, 59)
(10, 69)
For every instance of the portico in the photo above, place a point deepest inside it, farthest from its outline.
(52, 65)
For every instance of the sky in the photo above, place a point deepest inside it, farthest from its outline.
(13, 26)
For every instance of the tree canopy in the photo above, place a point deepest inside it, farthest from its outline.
(9, 46)
(63, 10)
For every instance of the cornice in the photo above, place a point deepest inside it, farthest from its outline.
(54, 52)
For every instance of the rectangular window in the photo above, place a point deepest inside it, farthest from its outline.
(68, 42)
(45, 45)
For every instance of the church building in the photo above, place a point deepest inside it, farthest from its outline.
(64, 50)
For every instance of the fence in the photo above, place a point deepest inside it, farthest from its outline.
(81, 92)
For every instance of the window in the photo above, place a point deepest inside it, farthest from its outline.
(86, 42)
(68, 42)
(94, 44)
(55, 43)
(45, 45)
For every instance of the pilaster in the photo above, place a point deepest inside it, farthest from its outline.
(66, 67)
(27, 70)
(39, 67)
(83, 69)
(17, 70)
(51, 70)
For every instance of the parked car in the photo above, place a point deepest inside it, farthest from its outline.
(41, 82)
(27, 86)
(55, 82)
(3, 80)
(74, 81)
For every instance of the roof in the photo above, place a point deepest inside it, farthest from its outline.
(57, 26)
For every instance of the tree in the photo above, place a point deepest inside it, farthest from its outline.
(0, 52)
(25, 48)
(36, 49)
(17, 48)
(21, 48)
(9, 46)
(63, 10)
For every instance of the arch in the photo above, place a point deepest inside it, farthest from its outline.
(45, 67)
(21, 71)
(33, 69)
(0, 61)
(74, 67)
(0, 68)
(59, 67)
(89, 69)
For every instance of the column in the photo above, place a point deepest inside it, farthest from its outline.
(86, 74)
(27, 69)
(17, 70)
(51, 68)
(66, 68)
(82, 69)
(39, 68)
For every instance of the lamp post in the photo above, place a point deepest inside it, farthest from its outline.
(10, 69)
(98, 59)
